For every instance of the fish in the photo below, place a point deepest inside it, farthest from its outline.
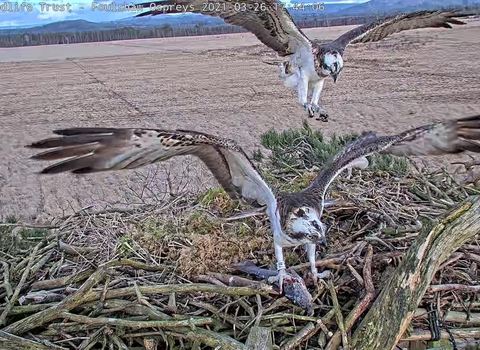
(294, 287)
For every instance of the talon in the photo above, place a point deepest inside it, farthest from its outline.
(316, 111)
(323, 117)
(281, 277)
(324, 274)
(321, 275)
(310, 109)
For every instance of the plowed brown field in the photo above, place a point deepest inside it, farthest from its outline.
(215, 84)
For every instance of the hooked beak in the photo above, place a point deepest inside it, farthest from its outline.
(323, 242)
(335, 77)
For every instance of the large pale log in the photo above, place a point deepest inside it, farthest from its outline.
(392, 311)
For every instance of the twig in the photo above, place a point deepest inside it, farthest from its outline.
(457, 317)
(50, 314)
(19, 287)
(214, 310)
(338, 314)
(63, 281)
(363, 305)
(21, 224)
(101, 321)
(332, 263)
(92, 339)
(28, 309)
(180, 288)
(355, 274)
(136, 265)
(13, 342)
(6, 280)
(309, 331)
(101, 303)
(222, 280)
(453, 287)
(306, 332)
(421, 334)
(73, 250)
(40, 263)
(119, 343)
(212, 339)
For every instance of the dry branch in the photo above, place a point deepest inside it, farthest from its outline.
(213, 339)
(180, 288)
(454, 287)
(420, 334)
(16, 293)
(13, 342)
(362, 306)
(388, 318)
(102, 321)
(305, 333)
(63, 281)
(463, 318)
(50, 314)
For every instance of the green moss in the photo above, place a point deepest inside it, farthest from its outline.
(126, 247)
(156, 228)
(208, 197)
(200, 223)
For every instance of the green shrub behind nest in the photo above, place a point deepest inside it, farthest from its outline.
(304, 148)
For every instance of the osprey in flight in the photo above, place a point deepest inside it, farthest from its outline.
(295, 218)
(310, 62)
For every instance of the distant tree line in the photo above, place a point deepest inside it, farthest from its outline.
(164, 31)
(126, 33)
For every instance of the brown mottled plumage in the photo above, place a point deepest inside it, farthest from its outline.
(309, 62)
(294, 217)
(268, 20)
(380, 29)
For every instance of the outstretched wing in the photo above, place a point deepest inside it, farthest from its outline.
(380, 29)
(101, 149)
(268, 20)
(453, 136)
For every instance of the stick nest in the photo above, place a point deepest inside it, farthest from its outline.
(158, 277)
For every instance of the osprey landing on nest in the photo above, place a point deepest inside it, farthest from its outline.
(295, 218)
(309, 62)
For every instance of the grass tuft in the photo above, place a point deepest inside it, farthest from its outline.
(307, 149)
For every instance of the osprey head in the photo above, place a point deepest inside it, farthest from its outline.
(331, 65)
(303, 223)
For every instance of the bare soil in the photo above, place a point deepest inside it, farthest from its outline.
(216, 84)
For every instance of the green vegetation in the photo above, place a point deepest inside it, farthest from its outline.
(305, 149)
(14, 238)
